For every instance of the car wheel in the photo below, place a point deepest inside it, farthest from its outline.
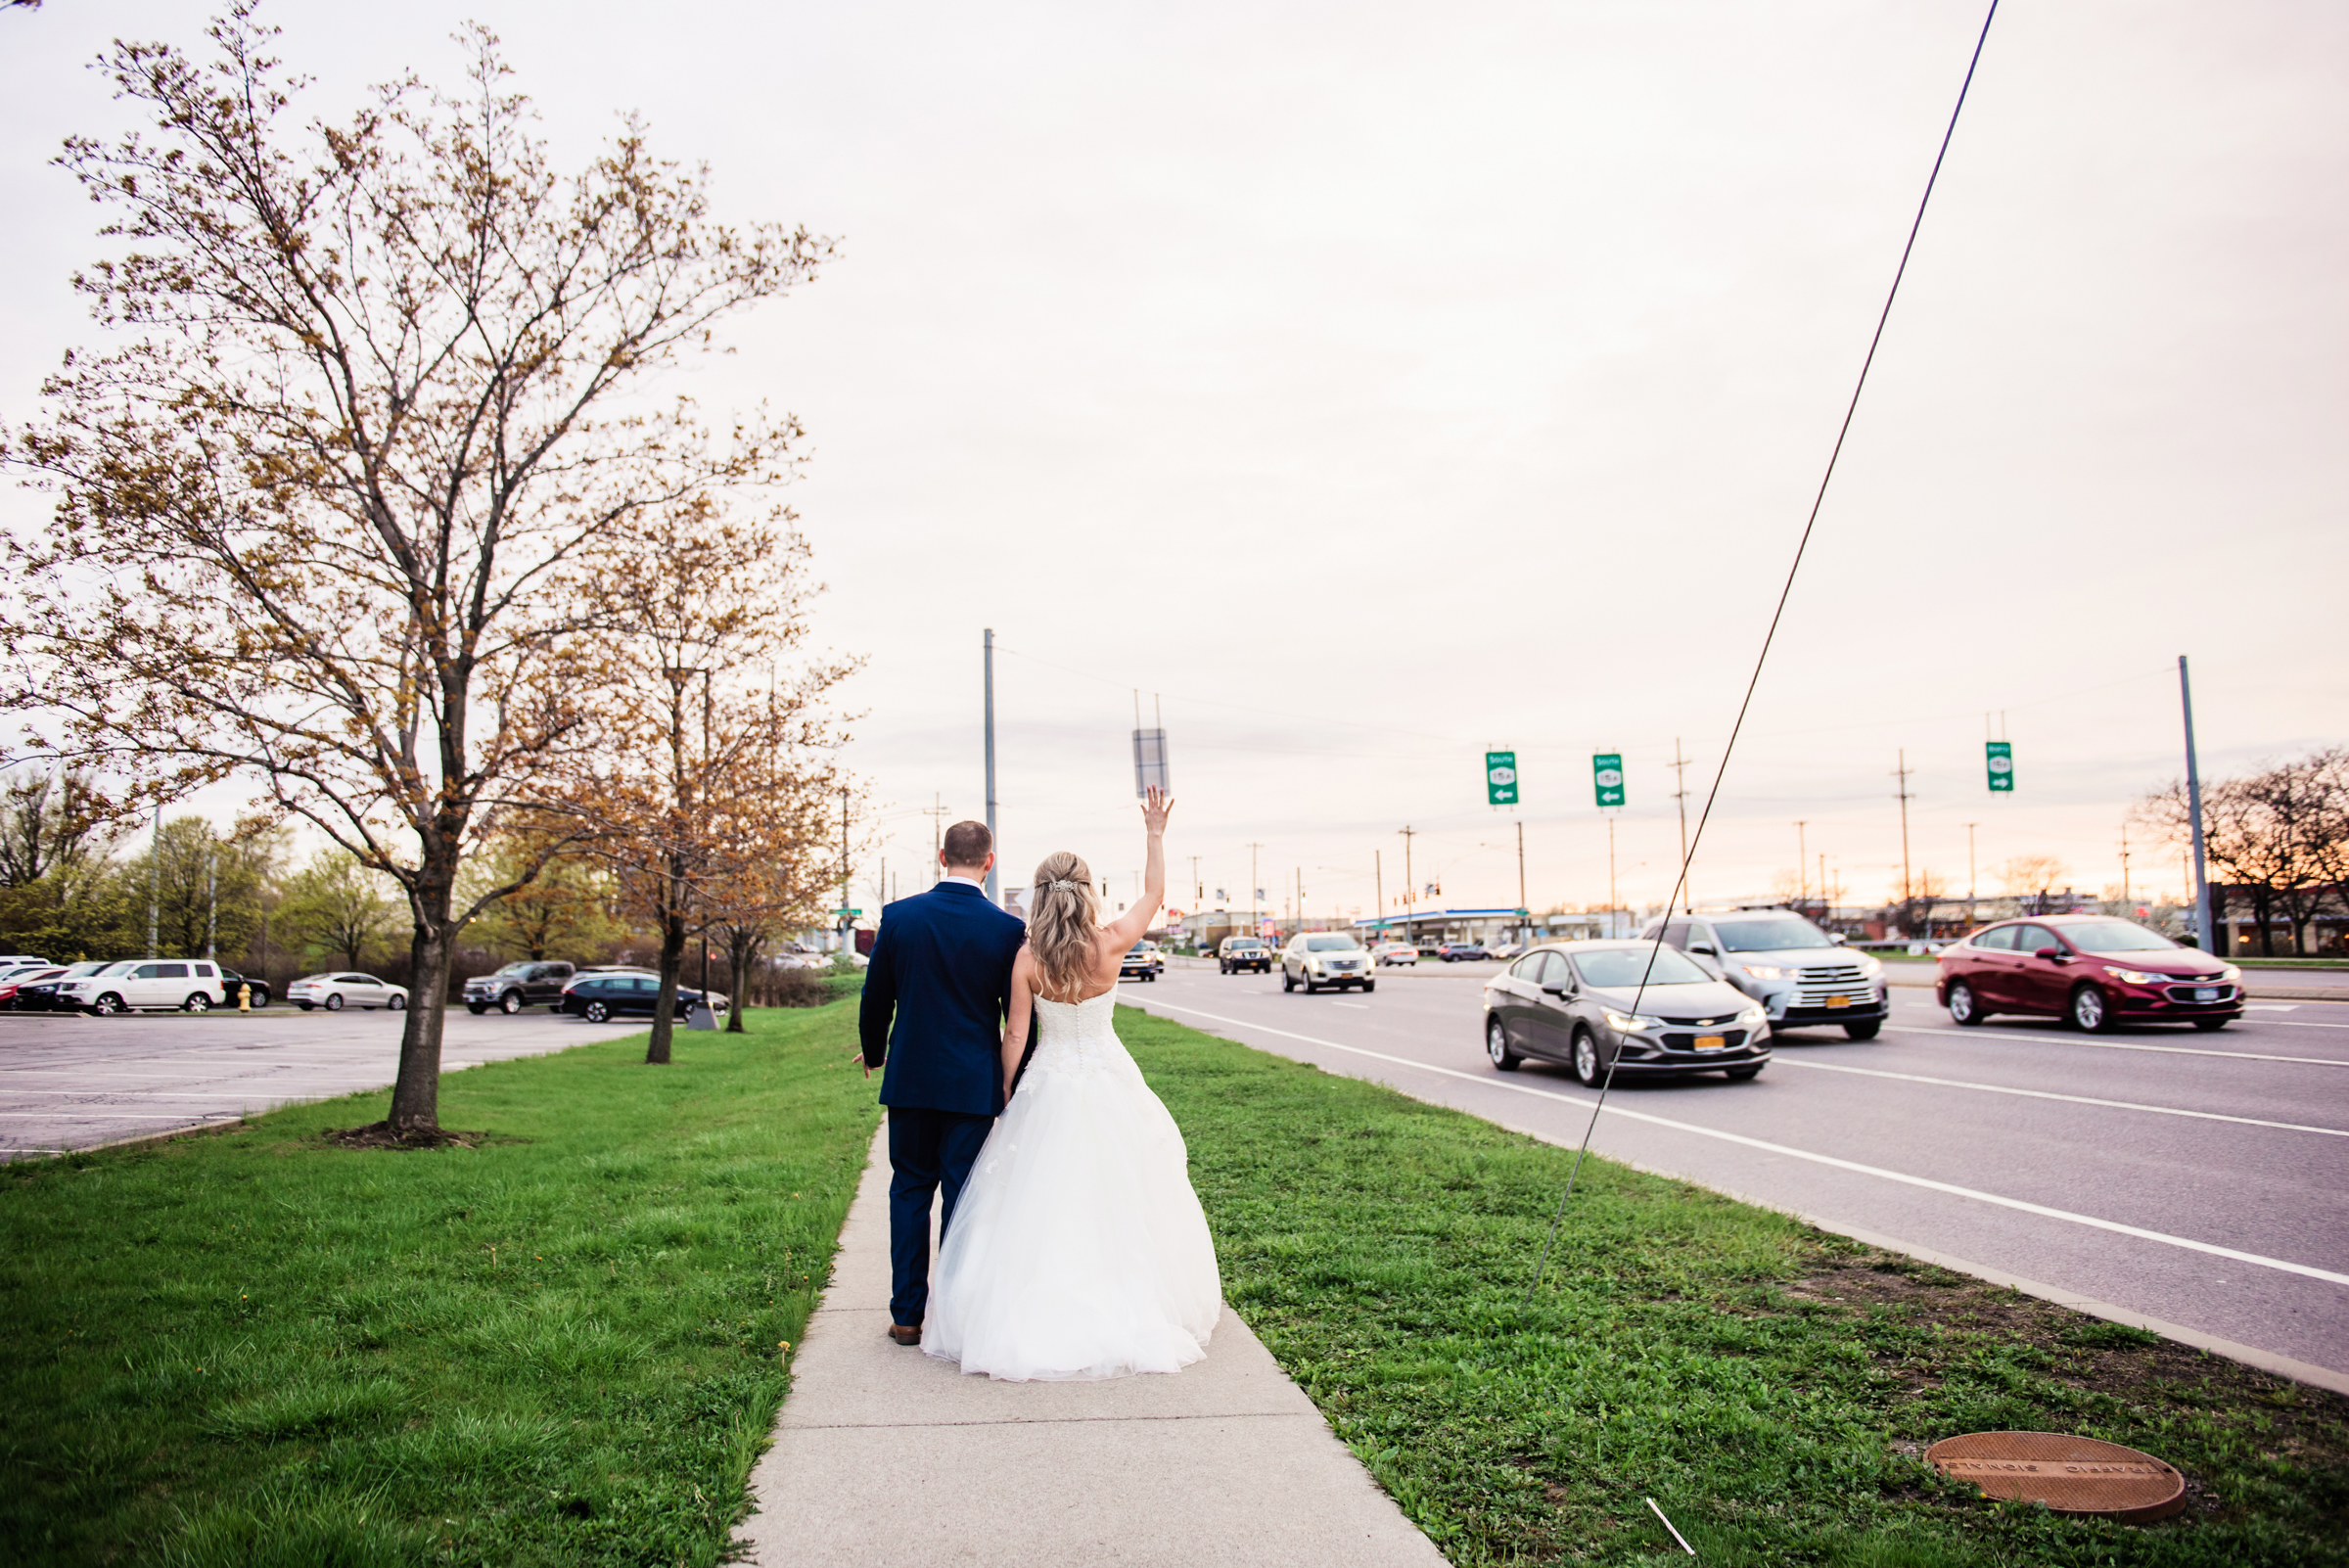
(334, 1003)
(399, 1005)
(106, 1005)
(1369, 986)
(597, 1012)
(1586, 1059)
(1497, 1046)
(2088, 1011)
(1964, 1007)
(1311, 989)
(1288, 982)
(1865, 1030)
(510, 1003)
(197, 1002)
(476, 1008)
(1744, 1075)
(2208, 1024)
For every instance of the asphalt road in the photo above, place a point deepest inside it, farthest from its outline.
(67, 1081)
(2199, 1181)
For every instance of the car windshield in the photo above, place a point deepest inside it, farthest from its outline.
(1247, 947)
(1622, 966)
(2116, 935)
(517, 966)
(1332, 944)
(1770, 934)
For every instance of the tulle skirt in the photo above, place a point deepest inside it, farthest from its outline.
(1078, 1250)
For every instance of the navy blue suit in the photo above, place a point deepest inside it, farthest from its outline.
(932, 1020)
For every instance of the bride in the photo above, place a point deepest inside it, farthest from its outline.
(1079, 1250)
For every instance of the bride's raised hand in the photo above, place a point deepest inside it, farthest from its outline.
(1155, 807)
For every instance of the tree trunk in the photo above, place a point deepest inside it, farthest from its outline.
(665, 1007)
(740, 948)
(2260, 912)
(416, 1092)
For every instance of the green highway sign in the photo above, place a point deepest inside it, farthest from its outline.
(1999, 758)
(1500, 778)
(1606, 776)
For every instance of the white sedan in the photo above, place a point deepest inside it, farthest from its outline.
(1395, 953)
(334, 992)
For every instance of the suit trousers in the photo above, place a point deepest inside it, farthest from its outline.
(927, 1150)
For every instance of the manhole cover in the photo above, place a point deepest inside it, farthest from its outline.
(2069, 1474)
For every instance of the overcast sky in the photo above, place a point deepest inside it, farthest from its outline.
(1368, 384)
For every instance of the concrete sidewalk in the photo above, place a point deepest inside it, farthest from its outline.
(885, 1456)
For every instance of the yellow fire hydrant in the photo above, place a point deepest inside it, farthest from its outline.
(245, 996)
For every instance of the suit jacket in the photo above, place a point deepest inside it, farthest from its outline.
(935, 996)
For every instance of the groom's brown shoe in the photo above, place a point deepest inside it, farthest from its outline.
(904, 1334)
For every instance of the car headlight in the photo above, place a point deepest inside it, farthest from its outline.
(1628, 1023)
(1870, 964)
(2230, 973)
(2136, 977)
(1753, 1017)
(1764, 971)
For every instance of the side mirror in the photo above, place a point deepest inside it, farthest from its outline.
(1835, 937)
(1553, 991)
(1704, 948)
(2048, 953)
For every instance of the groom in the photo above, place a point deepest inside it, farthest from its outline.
(941, 965)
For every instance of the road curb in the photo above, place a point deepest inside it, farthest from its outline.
(2251, 1356)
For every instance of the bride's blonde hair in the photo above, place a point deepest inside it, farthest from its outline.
(1063, 919)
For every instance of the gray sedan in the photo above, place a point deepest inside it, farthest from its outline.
(1583, 1003)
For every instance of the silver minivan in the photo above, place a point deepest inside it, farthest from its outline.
(1802, 977)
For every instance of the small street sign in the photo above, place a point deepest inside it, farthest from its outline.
(846, 915)
(1500, 778)
(1606, 777)
(1999, 758)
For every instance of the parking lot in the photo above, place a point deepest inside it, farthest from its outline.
(68, 1082)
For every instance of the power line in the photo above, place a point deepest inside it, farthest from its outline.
(1785, 591)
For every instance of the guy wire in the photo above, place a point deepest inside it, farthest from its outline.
(1785, 591)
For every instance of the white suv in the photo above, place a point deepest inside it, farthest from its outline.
(146, 984)
(1318, 959)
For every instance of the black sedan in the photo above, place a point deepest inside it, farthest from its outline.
(1645, 1008)
(40, 996)
(598, 997)
(231, 983)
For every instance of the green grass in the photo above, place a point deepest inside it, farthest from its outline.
(1771, 1386)
(560, 1347)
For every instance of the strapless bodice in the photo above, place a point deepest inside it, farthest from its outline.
(1077, 1036)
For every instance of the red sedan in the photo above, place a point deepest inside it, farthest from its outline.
(2091, 970)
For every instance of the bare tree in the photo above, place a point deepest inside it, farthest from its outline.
(317, 514)
(2282, 834)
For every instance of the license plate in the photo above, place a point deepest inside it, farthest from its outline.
(2206, 994)
(1711, 1042)
(1839, 1001)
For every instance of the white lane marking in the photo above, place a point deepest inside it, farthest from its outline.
(1977, 1035)
(1783, 1060)
(2271, 1007)
(1359, 1007)
(2294, 1023)
(1902, 1177)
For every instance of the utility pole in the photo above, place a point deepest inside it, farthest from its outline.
(155, 885)
(1823, 894)
(991, 766)
(1802, 866)
(211, 896)
(1299, 900)
(1198, 888)
(1613, 901)
(1256, 918)
(1411, 889)
(936, 813)
(1901, 793)
(1523, 913)
(2124, 859)
(844, 943)
(1680, 772)
(1969, 869)
(1378, 886)
(2194, 803)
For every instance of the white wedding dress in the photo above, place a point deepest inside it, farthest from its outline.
(1078, 1250)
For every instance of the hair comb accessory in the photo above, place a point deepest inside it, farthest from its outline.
(1064, 883)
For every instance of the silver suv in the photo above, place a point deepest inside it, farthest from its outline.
(1318, 959)
(1802, 977)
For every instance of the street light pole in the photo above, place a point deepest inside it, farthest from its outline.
(1524, 915)
(992, 883)
(1411, 889)
(2194, 803)
(844, 868)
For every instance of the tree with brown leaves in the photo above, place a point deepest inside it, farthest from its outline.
(377, 389)
(712, 738)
